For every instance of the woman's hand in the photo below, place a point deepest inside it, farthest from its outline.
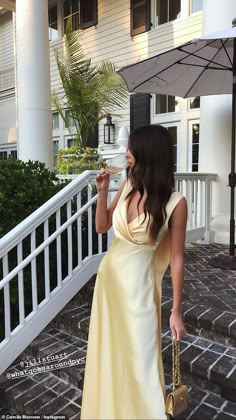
(178, 330)
(102, 180)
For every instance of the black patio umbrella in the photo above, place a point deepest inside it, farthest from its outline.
(201, 67)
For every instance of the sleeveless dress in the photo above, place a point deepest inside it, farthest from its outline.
(124, 376)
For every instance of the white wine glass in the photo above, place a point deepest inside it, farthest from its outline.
(116, 165)
(113, 166)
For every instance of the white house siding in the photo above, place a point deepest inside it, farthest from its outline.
(7, 83)
(6, 42)
(111, 40)
(8, 122)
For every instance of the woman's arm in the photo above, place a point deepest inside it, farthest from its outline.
(103, 218)
(177, 234)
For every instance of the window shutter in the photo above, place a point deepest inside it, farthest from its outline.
(92, 140)
(139, 110)
(88, 13)
(140, 16)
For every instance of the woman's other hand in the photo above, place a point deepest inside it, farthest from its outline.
(102, 180)
(178, 330)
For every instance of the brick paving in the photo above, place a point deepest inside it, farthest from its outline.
(208, 352)
(209, 295)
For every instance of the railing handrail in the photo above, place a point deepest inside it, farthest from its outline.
(45, 243)
(199, 175)
(24, 228)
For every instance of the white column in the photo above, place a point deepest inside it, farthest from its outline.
(215, 128)
(33, 78)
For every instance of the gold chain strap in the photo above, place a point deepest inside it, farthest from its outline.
(176, 375)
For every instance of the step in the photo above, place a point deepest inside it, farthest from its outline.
(206, 322)
(56, 346)
(216, 372)
(209, 296)
(46, 394)
(201, 320)
(59, 391)
(205, 363)
(209, 304)
(42, 394)
(75, 317)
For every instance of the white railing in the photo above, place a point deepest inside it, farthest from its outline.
(44, 262)
(197, 188)
(47, 258)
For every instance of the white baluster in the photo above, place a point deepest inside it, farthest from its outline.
(34, 272)
(195, 203)
(58, 240)
(90, 228)
(69, 239)
(191, 199)
(79, 231)
(203, 203)
(181, 186)
(209, 235)
(7, 306)
(20, 286)
(99, 243)
(46, 261)
(110, 233)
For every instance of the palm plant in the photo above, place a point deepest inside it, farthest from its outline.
(90, 91)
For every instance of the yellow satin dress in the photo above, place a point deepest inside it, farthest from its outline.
(124, 373)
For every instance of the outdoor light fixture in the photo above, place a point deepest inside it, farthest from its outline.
(109, 131)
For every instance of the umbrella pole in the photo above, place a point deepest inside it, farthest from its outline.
(221, 261)
(232, 175)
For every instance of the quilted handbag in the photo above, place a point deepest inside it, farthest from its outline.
(177, 399)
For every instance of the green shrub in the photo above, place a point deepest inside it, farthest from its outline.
(24, 186)
(77, 159)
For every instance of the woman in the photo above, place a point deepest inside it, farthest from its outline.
(124, 372)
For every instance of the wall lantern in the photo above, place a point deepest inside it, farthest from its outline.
(109, 131)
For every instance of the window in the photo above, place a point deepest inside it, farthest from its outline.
(52, 23)
(196, 5)
(13, 154)
(55, 121)
(194, 129)
(166, 103)
(69, 120)
(7, 153)
(55, 151)
(71, 11)
(140, 16)
(82, 13)
(3, 155)
(88, 13)
(194, 103)
(70, 142)
(173, 129)
(173, 132)
(167, 10)
(139, 110)
(195, 147)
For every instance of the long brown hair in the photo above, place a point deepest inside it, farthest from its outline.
(152, 148)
